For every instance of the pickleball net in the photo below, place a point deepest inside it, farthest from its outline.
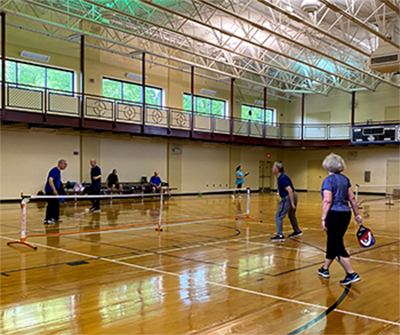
(126, 213)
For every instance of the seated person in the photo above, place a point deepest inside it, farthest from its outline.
(113, 182)
(155, 182)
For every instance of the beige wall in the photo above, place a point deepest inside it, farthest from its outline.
(371, 159)
(27, 156)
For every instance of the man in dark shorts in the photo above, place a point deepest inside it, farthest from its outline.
(95, 186)
(287, 205)
(52, 187)
(156, 184)
(113, 182)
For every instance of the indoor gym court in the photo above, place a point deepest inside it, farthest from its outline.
(214, 276)
(195, 90)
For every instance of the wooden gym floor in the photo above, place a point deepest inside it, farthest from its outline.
(210, 277)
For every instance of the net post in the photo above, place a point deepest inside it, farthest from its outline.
(23, 219)
(23, 226)
(248, 201)
(390, 203)
(160, 216)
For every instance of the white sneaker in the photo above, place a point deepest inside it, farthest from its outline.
(48, 222)
(240, 197)
(233, 197)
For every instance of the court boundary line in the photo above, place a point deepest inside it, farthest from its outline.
(215, 283)
(331, 309)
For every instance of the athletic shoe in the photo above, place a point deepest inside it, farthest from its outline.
(233, 197)
(240, 197)
(323, 272)
(278, 238)
(58, 220)
(96, 210)
(296, 234)
(350, 278)
(48, 222)
(92, 209)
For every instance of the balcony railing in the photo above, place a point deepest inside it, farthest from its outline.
(57, 102)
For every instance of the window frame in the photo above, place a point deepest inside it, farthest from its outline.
(18, 61)
(273, 110)
(209, 98)
(121, 82)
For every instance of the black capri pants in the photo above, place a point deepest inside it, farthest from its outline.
(337, 224)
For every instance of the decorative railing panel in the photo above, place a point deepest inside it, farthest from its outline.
(180, 120)
(63, 104)
(27, 99)
(129, 113)
(99, 108)
(157, 117)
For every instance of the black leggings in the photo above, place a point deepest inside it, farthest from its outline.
(337, 223)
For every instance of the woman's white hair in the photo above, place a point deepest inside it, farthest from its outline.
(334, 163)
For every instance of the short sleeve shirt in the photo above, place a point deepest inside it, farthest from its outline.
(155, 180)
(54, 173)
(112, 179)
(283, 182)
(339, 186)
(239, 177)
(94, 172)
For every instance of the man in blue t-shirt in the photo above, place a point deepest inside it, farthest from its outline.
(287, 205)
(53, 185)
(156, 184)
(95, 185)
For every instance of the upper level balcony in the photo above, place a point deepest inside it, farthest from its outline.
(55, 108)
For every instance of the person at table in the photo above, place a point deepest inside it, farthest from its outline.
(156, 184)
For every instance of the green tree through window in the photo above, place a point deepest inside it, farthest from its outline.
(39, 76)
(126, 91)
(257, 114)
(204, 105)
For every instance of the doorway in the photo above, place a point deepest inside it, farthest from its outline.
(264, 175)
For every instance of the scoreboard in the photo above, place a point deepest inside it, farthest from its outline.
(380, 134)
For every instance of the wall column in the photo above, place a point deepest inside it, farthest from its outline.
(192, 100)
(82, 79)
(265, 113)
(143, 91)
(353, 107)
(303, 98)
(232, 105)
(3, 64)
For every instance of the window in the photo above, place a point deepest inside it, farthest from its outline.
(204, 105)
(257, 114)
(39, 76)
(123, 90)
